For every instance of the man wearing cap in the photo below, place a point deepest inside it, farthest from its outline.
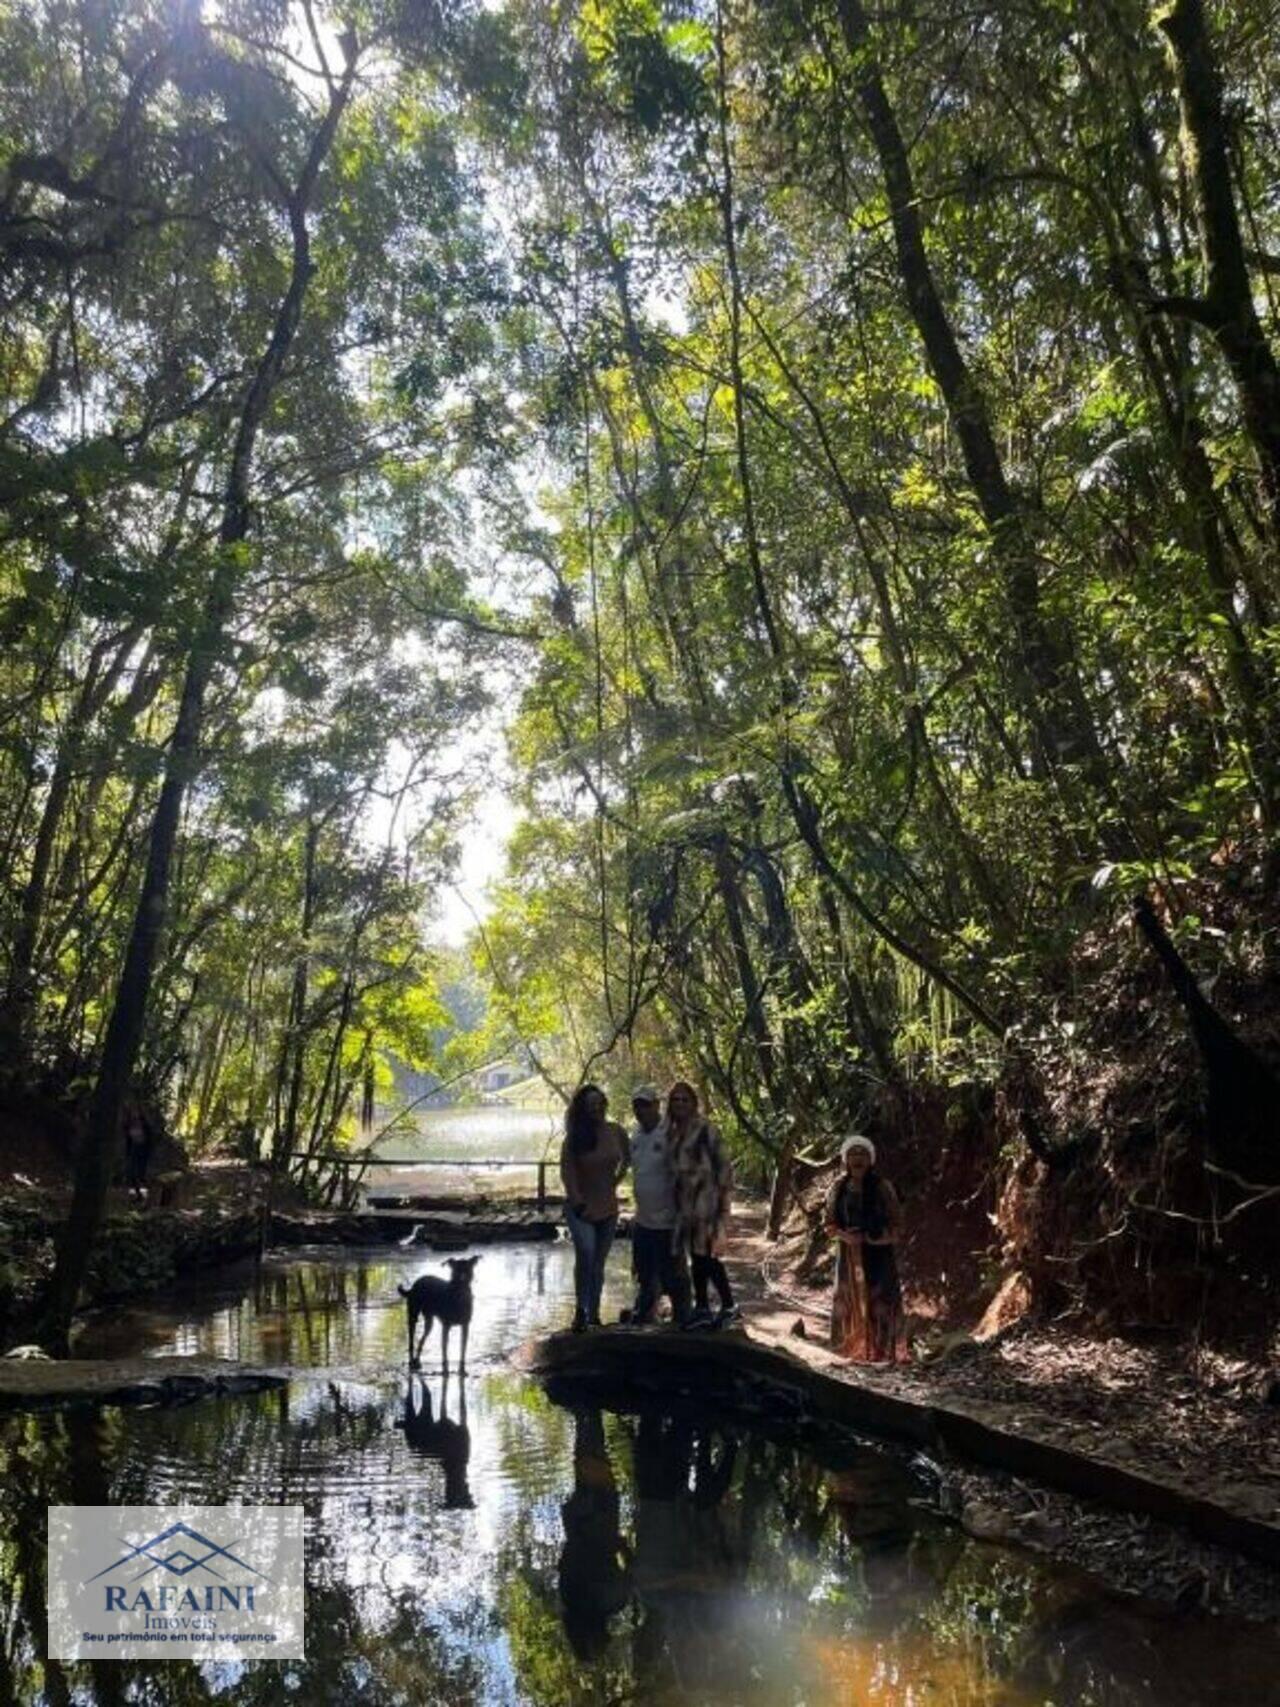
(658, 1267)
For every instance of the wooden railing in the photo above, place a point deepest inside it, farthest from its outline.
(345, 1161)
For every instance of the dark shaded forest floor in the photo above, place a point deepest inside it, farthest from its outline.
(193, 1217)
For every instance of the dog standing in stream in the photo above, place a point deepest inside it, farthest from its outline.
(431, 1299)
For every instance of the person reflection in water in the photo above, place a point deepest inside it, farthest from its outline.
(595, 1571)
(688, 1552)
(446, 1441)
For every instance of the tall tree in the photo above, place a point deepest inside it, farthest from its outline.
(100, 1148)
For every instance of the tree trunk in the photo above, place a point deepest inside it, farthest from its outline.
(666, 543)
(860, 1018)
(1243, 1093)
(754, 1015)
(148, 678)
(725, 195)
(805, 813)
(803, 809)
(98, 1152)
(293, 1052)
(1227, 307)
(20, 994)
(1046, 681)
(984, 881)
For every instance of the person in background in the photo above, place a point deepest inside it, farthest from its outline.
(865, 1217)
(659, 1266)
(593, 1158)
(137, 1153)
(704, 1183)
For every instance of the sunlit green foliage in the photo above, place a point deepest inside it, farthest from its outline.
(147, 233)
(844, 732)
(839, 438)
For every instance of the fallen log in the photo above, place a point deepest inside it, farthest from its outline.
(35, 1384)
(445, 1230)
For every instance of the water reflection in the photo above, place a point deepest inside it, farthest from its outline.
(691, 1552)
(468, 1541)
(342, 1309)
(446, 1441)
(594, 1561)
(470, 1136)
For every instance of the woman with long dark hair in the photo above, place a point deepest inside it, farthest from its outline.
(593, 1158)
(864, 1216)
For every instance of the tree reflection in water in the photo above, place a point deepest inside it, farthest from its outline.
(480, 1544)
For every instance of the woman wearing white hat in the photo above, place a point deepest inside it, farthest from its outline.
(865, 1218)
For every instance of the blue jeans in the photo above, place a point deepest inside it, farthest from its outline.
(591, 1242)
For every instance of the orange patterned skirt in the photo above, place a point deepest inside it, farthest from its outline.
(866, 1321)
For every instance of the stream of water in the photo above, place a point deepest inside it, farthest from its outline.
(470, 1542)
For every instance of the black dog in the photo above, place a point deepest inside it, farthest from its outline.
(445, 1301)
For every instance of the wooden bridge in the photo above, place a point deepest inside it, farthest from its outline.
(358, 1162)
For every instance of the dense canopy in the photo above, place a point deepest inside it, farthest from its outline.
(838, 444)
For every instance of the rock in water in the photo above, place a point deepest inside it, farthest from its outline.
(987, 1522)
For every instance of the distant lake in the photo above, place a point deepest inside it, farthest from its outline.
(469, 1136)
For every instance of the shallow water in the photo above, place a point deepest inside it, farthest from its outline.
(468, 1541)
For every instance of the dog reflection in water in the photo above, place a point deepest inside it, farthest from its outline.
(442, 1438)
